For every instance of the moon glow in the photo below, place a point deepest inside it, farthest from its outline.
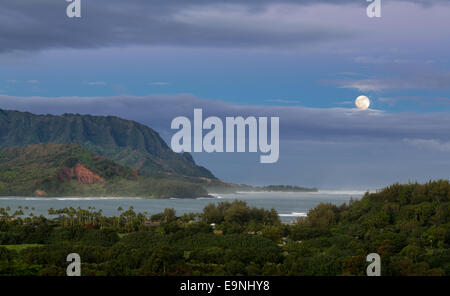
(362, 103)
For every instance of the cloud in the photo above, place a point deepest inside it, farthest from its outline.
(30, 81)
(345, 103)
(159, 83)
(388, 60)
(416, 79)
(422, 101)
(365, 84)
(296, 122)
(38, 25)
(431, 144)
(370, 60)
(348, 73)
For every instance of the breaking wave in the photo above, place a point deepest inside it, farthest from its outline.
(293, 214)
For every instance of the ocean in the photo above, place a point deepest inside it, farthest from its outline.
(288, 205)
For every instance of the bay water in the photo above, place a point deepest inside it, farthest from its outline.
(288, 205)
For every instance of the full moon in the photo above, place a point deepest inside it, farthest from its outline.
(362, 103)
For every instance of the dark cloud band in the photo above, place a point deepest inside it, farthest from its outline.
(34, 25)
(296, 123)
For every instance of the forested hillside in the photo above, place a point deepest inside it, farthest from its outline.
(407, 225)
(51, 169)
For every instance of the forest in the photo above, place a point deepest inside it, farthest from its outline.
(55, 170)
(407, 225)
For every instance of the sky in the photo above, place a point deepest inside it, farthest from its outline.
(303, 61)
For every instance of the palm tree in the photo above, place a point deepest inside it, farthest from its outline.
(119, 209)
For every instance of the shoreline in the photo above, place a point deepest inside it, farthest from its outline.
(211, 195)
(356, 192)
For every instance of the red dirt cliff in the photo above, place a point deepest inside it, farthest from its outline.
(86, 176)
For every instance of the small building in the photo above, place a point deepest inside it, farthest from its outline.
(151, 223)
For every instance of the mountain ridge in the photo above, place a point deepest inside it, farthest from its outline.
(128, 142)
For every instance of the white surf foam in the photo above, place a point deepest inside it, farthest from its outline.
(293, 214)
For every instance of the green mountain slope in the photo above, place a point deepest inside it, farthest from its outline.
(127, 142)
(51, 169)
(407, 225)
